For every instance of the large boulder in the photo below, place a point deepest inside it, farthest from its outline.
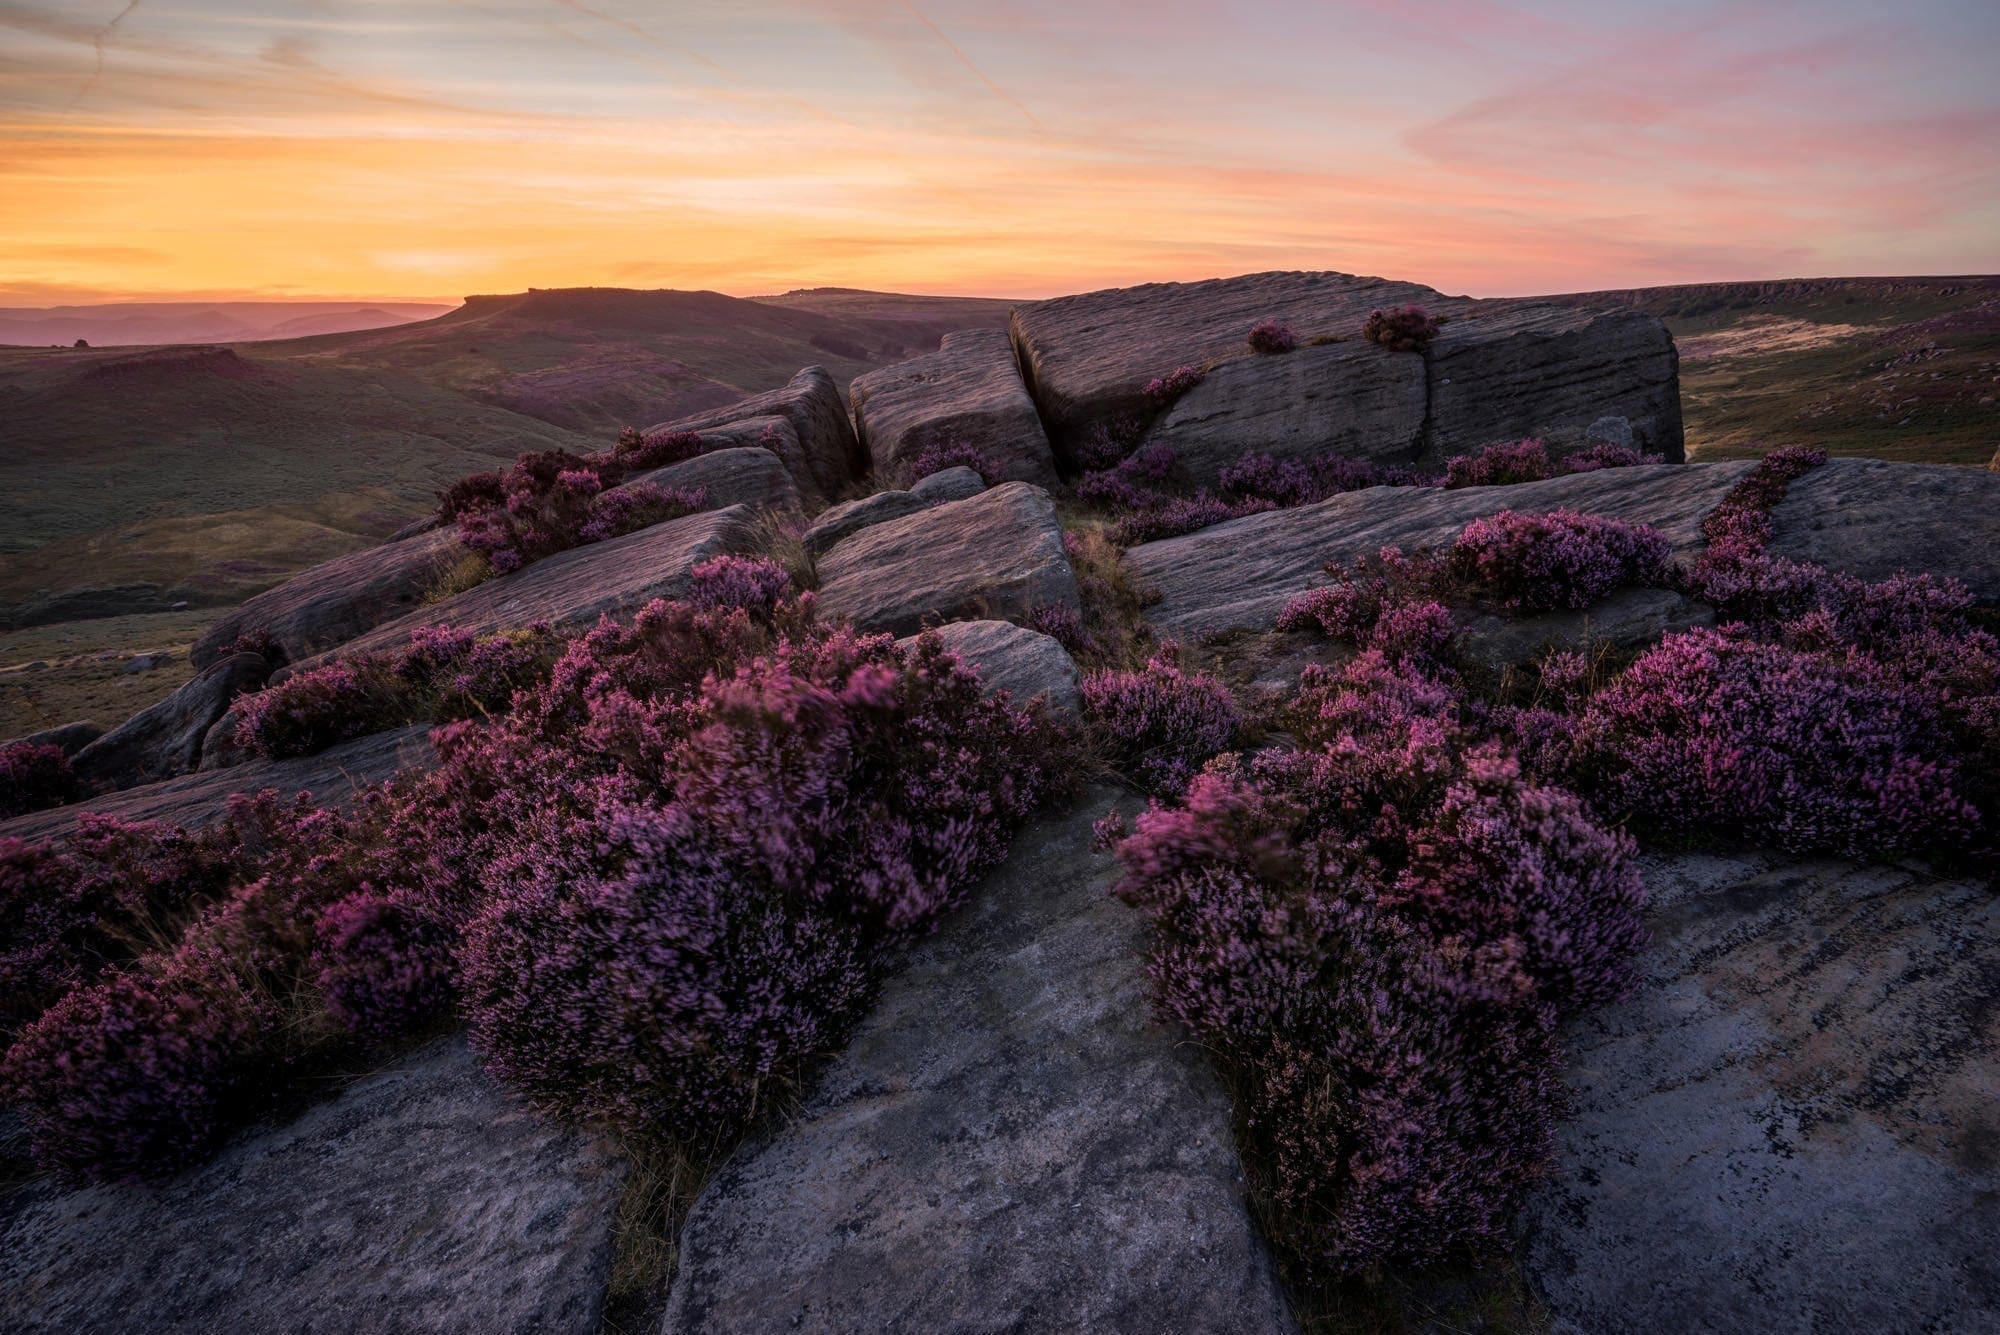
(332, 779)
(969, 391)
(997, 555)
(334, 602)
(165, 739)
(1025, 663)
(837, 521)
(1012, 1142)
(418, 1198)
(1872, 518)
(740, 475)
(817, 443)
(1351, 398)
(1790, 1127)
(572, 589)
(1238, 575)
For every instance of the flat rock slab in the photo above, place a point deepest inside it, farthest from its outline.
(417, 1199)
(332, 778)
(1011, 1143)
(1872, 518)
(1025, 663)
(1792, 1125)
(969, 391)
(1238, 575)
(819, 449)
(572, 589)
(836, 522)
(998, 555)
(334, 602)
(738, 475)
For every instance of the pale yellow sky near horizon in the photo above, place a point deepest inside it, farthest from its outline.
(427, 149)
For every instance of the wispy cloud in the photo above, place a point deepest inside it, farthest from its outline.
(98, 41)
(966, 61)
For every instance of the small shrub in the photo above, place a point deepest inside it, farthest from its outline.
(1536, 563)
(754, 583)
(1401, 328)
(637, 452)
(1740, 526)
(1288, 482)
(1500, 466)
(1162, 391)
(383, 967)
(1170, 518)
(1159, 724)
(638, 505)
(940, 455)
(35, 776)
(1107, 441)
(310, 711)
(1271, 337)
(1063, 624)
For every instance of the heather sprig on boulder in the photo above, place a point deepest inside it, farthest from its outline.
(1401, 328)
(1500, 465)
(1288, 482)
(1163, 390)
(940, 455)
(1272, 337)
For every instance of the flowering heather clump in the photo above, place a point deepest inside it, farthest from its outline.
(1712, 732)
(1535, 563)
(1270, 337)
(754, 583)
(1159, 724)
(1605, 455)
(1740, 526)
(1287, 482)
(33, 777)
(1499, 466)
(1162, 390)
(256, 640)
(383, 966)
(943, 454)
(1063, 624)
(638, 452)
(1107, 441)
(1401, 328)
(1349, 608)
(638, 505)
(550, 501)
(310, 711)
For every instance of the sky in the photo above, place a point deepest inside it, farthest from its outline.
(427, 149)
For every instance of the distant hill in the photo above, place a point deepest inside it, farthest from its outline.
(147, 323)
(204, 474)
(1892, 368)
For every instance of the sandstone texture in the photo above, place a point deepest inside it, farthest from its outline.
(1626, 619)
(417, 1199)
(1872, 518)
(165, 739)
(1011, 1143)
(1025, 663)
(818, 448)
(572, 589)
(997, 555)
(742, 475)
(332, 778)
(969, 391)
(1791, 1126)
(1238, 575)
(332, 603)
(836, 522)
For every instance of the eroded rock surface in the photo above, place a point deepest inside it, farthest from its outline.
(418, 1199)
(332, 778)
(572, 589)
(997, 555)
(1791, 1127)
(969, 391)
(836, 522)
(817, 443)
(1872, 518)
(1011, 1143)
(332, 603)
(165, 738)
(1238, 575)
(1626, 619)
(741, 475)
(1025, 663)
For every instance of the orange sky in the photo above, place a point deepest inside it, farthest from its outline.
(421, 149)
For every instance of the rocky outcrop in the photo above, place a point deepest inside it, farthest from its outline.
(68, 738)
(1238, 575)
(572, 589)
(836, 522)
(1027, 664)
(969, 392)
(419, 1198)
(1350, 398)
(1499, 370)
(820, 450)
(334, 602)
(744, 475)
(332, 778)
(1873, 518)
(165, 739)
(1791, 1125)
(1011, 1143)
(998, 555)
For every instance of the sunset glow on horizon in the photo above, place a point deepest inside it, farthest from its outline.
(427, 149)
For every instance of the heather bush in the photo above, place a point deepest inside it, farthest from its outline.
(1161, 391)
(310, 711)
(1740, 526)
(1499, 466)
(1160, 723)
(1271, 337)
(638, 452)
(1173, 516)
(383, 965)
(638, 505)
(1536, 563)
(35, 776)
(754, 583)
(1349, 608)
(1107, 441)
(551, 501)
(1063, 624)
(943, 454)
(1401, 328)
